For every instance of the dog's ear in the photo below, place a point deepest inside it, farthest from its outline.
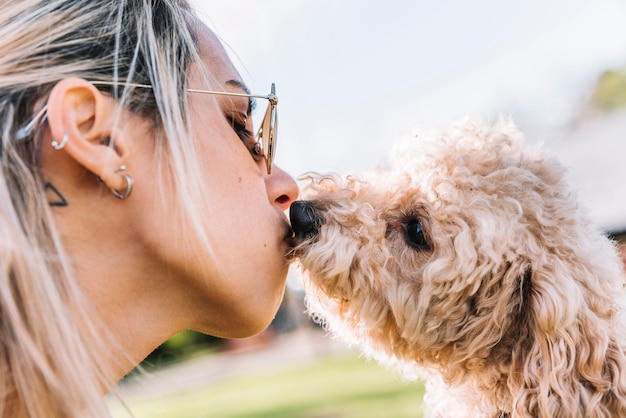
(567, 357)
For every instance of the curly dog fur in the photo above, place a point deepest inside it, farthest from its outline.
(470, 262)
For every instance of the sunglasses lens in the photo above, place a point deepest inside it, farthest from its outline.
(269, 144)
(267, 135)
(268, 129)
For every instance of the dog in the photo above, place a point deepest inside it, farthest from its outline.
(469, 262)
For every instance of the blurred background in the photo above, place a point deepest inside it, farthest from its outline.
(352, 76)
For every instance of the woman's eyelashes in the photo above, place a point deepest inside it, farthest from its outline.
(246, 136)
(242, 130)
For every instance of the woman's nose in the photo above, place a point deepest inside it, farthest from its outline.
(282, 189)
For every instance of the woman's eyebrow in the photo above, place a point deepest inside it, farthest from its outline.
(242, 86)
(239, 84)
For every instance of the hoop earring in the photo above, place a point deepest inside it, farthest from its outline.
(58, 146)
(129, 185)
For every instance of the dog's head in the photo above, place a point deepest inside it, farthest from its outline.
(457, 256)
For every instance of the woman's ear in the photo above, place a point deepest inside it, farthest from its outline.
(81, 122)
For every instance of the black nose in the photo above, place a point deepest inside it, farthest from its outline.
(304, 220)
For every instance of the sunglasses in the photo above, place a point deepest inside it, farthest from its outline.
(265, 137)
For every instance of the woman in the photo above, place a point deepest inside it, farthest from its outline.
(134, 199)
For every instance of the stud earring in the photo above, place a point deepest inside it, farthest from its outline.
(129, 185)
(59, 145)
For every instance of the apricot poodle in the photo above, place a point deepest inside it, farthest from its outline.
(470, 263)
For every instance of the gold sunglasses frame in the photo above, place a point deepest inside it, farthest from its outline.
(266, 135)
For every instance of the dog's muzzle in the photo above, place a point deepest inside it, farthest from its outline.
(305, 222)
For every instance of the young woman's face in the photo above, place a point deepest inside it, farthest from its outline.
(235, 291)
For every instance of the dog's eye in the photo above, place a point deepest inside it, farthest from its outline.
(415, 235)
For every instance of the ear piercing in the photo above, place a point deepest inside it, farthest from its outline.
(59, 145)
(129, 185)
(129, 180)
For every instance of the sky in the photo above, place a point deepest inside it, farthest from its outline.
(353, 75)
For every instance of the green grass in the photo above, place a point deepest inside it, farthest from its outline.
(334, 387)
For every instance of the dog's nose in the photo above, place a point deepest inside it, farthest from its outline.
(304, 221)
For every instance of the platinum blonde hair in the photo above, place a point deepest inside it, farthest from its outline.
(48, 363)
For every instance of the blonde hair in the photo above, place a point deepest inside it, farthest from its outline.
(48, 331)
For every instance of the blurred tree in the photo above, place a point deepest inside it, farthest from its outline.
(610, 91)
(181, 346)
